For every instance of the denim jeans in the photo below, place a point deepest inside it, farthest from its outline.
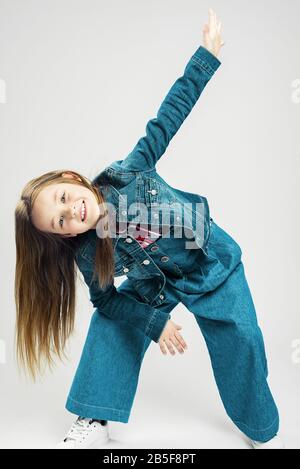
(215, 290)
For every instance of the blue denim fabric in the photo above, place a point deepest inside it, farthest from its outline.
(134, 180)
(201, 269)
(216, 292)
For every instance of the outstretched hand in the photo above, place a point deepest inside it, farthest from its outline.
(169, 337)
(212, 40)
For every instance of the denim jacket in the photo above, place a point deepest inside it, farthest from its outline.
(134, 182)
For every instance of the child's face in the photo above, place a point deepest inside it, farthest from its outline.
(57, 209)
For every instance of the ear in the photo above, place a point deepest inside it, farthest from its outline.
(70, 175)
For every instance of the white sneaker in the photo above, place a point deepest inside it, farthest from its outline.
(274, 443)
(85, 433)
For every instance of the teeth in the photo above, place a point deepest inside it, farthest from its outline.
(82, 211)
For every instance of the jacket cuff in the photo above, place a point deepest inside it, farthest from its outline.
(206, 60)
(157, 324)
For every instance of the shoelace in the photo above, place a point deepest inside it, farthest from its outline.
(79, 429)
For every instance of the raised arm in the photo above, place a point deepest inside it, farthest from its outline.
(178, 102)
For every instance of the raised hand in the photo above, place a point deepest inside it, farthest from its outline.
(212, 40)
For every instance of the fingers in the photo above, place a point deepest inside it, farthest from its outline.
(170, 346)
(162, 347)
(205, 33)
(171, 337)
(175, 340)
(180, 339)
(212, 20)
(214, 24)
(166, 344)
(219, 27)
(212, 33)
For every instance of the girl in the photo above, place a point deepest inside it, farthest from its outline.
(64, 221)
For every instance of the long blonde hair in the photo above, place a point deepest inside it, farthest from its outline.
(45, 277)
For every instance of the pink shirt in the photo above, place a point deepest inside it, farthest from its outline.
(144, 236)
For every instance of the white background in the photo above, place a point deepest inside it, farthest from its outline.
(82, 78)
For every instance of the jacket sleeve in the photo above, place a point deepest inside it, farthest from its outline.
(174, 109)
(119, 306)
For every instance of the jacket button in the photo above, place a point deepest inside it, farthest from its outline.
(164, 258)
(146, 262)
(161, 297)
(124, 212)
(154, 248)
(154, 192)
(125, 270)
(128, 240)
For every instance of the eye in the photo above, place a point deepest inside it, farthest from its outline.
(61, 218)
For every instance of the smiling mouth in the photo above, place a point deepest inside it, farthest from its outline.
(83, 212)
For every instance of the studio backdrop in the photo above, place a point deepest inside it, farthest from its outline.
(79, 80)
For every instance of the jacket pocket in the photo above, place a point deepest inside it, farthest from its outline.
(157, 193)
(152, 190)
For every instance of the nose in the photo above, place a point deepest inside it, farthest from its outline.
(70, 211)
